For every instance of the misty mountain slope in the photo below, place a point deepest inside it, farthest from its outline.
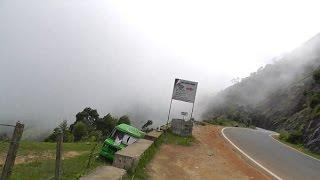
(281, 96)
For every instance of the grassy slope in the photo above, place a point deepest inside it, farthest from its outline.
(31, 146)
(44, 169)
(300, 148)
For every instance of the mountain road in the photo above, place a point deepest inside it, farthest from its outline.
(280, 160)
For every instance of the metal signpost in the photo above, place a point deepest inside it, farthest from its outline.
(183, 90)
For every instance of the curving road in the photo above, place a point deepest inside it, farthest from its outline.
(276, 157)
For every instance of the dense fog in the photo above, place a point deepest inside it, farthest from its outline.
(58, 57)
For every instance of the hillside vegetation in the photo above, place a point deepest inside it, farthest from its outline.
(36, 160)
(283, 96)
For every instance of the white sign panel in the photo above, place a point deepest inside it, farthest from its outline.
(184, 113)
(184, 90)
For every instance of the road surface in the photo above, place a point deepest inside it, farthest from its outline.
(208, 157)
(281, 160)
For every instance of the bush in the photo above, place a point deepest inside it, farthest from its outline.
(106, 124)
(68, 136)
(124, 120)
(316, 76)
(80, 130)
(93, 136)
(284, 135)
(294, 137)
(314, 100)
(51, 138)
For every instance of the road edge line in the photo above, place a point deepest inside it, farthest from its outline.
(267, 171)
(291, 147)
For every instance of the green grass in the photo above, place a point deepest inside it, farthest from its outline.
(75, 167)
(72, 168)
(171, 138)
(166, 138)
(37, 147)
(300, 148)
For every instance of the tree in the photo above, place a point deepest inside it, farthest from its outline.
(63, 127)
(88, 116)
(124, 120)
(106, 124)
(80, 130)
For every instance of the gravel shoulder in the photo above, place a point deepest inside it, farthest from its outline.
(210, 157)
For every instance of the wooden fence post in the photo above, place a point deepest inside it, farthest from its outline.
(58, 156)
(12, 152)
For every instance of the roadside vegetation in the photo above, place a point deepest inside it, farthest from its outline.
(298, 146)
(296, 137)
(82, 143)
(36, 160)
(227, 122)
(140, 172)
(87, 127)
(266, 99)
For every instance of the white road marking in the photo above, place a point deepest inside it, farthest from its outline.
(251, 159)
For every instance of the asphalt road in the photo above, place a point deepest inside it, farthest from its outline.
(281, 160)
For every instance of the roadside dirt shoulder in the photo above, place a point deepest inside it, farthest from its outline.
(209, 158)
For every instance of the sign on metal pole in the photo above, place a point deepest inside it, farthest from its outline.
(184, 90)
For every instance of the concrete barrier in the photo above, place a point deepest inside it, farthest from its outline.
(125, 159)
(128, 158)
(181, 127)
(106, 172)
(153, 135)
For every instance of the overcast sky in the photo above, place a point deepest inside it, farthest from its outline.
(59, 56)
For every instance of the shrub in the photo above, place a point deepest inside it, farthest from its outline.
(80, 130)
(68, 136)
(316, 76)
(314, 100)
(124, 120)
(295, 137)
(284, 135)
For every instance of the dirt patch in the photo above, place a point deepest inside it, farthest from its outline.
(32, 156)
(210, 158)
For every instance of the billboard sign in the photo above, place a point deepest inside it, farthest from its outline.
(184, 90)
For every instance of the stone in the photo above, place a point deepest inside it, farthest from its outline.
(181, 127)
(106, 172)
(129, 157)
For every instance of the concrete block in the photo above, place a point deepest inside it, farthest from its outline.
(128, 158)
(181, 127)
(105, 172)
(153, 135)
